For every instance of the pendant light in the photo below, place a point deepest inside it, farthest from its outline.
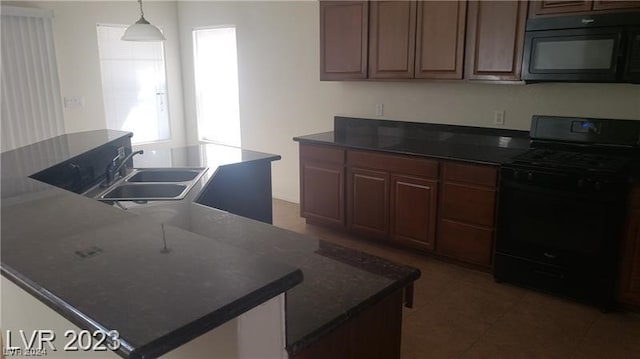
(142, 30)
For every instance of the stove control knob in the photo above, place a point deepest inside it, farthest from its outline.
(530, 176)
(516, 174)
(597, 185)
(581, 183)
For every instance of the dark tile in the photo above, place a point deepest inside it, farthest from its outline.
(460, 312)
(613, 335)
(437, 332)
(538, 326)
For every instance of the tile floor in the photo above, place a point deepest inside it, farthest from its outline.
(460, 312)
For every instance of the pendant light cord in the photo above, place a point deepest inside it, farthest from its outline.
(141, 12)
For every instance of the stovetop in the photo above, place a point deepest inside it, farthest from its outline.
(573, 160)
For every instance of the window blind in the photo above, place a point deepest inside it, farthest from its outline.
(31, 104)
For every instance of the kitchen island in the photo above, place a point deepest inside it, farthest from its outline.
(167, 272)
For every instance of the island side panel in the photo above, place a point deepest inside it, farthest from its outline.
(243, 189)
(374, 333)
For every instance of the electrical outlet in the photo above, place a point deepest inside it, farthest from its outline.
(379, 110)
(498, 117)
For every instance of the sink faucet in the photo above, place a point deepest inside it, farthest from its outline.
(112, 168)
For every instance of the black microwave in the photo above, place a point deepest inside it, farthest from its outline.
(591, 48)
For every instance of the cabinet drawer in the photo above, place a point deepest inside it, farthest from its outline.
(320, 153)
(465, 242)
(468, 204)
(482, 175)
(406, 165)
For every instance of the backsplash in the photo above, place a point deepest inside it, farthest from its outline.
(86, 170)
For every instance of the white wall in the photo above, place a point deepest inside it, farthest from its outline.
(76, 44)
(281, 96)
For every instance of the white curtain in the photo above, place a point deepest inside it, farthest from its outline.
(31, 106)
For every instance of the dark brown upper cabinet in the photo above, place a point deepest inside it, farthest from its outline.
(344, 29)
(440, 39)
(543, 8)
(559, 7)
(616, 5)
(416, 39)
(392, 39)
(495, 36)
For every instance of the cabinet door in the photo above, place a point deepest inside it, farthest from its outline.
(413, 211)
(368, 202)
(343, 39)
(392, 39)
(495, 36)
(615, 4)
(560, 7)
(322, 184)
(322, 189)
(440, 39)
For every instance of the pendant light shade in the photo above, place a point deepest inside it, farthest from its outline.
(142, 30)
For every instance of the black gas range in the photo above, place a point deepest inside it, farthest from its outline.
(562, 205)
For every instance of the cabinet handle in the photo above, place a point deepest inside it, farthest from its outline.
(587, 21)
(550, 255)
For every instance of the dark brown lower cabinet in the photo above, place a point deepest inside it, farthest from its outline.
(323, 192)
(368, 202)
(373, 334)
(467, 212)
(322, 184)
(413, 211)
(447, 207)
(629, 286)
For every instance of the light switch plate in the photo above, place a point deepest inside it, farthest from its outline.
(73, 101)
(498, 117)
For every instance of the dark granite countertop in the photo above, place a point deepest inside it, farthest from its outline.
(128, 255)
(106, 269)
(464, 143)
(338, 282)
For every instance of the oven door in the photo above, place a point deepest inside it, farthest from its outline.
(564, 227)
(577, 55)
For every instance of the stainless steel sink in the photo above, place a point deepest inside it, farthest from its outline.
(153, 184)
(146, 191)
(164, 175)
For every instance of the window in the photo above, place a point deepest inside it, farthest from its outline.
(216, 78)
(134, 85)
